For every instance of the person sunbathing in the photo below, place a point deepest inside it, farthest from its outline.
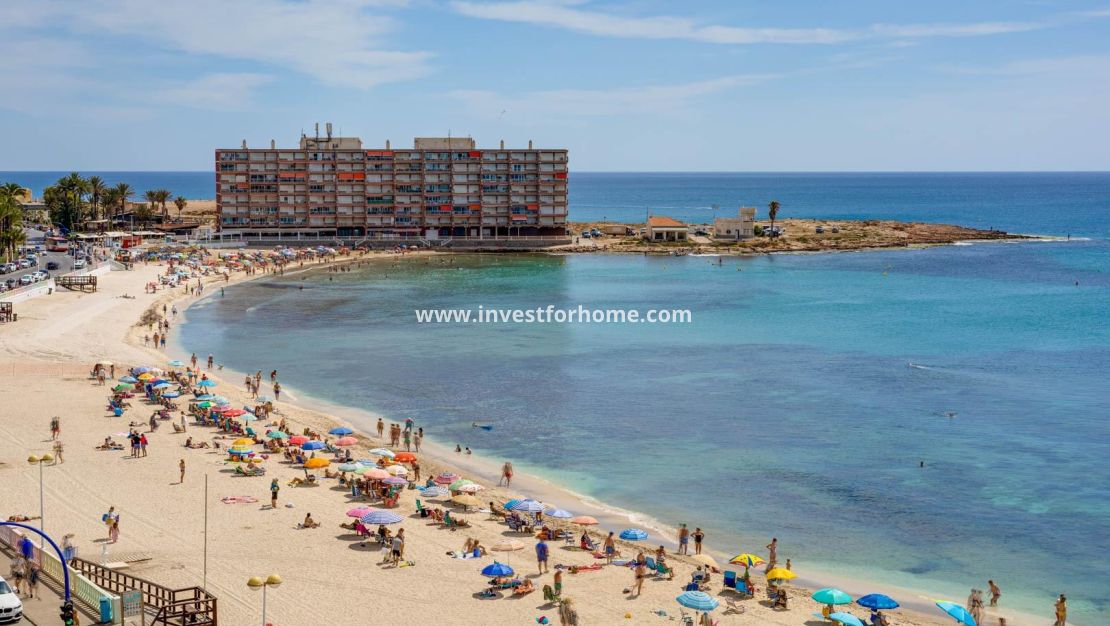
(21, 518)
(524, 588)
(330, 474)
(110, 445)
(309, 522)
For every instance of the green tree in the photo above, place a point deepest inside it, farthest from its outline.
(12, 235)
(773, 213)
(96, 187)
(124, 193)
(163, 196)
(180, 202)
(65, 200)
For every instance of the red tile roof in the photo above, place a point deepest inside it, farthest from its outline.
(663, 221)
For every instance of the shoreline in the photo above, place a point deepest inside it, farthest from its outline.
(533, 483)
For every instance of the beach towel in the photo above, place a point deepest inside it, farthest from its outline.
(238, 499)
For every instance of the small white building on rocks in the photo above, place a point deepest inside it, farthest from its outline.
(735, 228)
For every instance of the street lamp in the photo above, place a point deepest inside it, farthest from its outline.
(257, 582)
(39, 460)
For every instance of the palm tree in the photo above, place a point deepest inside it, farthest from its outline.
(163, 196)
(109, 200)
(12, 235)
(180, 202)
(96, 189)
(123, 194)
(11, 190)
(773, 212)
(65, 200)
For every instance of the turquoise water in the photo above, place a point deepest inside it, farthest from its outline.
(800, 401)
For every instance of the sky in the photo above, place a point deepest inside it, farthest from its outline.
(626, 85)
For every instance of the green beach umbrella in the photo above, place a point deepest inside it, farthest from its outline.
(205, 405)
(123, 387)
(459, 483)
(277, 434)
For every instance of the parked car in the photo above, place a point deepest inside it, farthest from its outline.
(585, 234)
(11, 607)
(26, 279)
(52, 265)
(24, 264)
(11, 282)
(79, 264)
(595, 232)
(820, 229)
(701, 232)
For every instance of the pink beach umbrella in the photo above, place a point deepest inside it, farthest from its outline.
(471, 488)
(446, 478)
(376, 474)
(298, 440)
(359, 512)
(343, 442)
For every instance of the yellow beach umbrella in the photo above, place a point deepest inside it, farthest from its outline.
(747, 560)
(145, 376)
(466, 500)
(242, 442)
(316, 463)
(780, 573)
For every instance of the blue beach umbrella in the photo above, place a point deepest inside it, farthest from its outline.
(378, 516)
(348, 467)
(831, 596)
(172, 394)
(162, 385)
(957, 612)
(497, 569)
(528, 506)
(207, 382)
(175, 363)
(206, 396)
(342, 430)
(312, 445)
(846, 618)
(559, 514)
(633, 534)
(511, 503)
(698, 600)
(434, 492)
(877, 601)
(129, 379)
(220, 400)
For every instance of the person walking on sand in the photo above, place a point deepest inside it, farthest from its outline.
(772, 553)
(541, 555)
(996, 593)
(193, 359)
(55, 427)
(683, 539)
(610, 548)
(274, 488)
(181, 466)
(59, 449)
(416, 439)
(698, 537)
(640, 572)
(381, 428)
(211, 360)
(567, 615)
(277, 392)
(1061, 611)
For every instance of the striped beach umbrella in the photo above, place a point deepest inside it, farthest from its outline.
(471, 488)
(698, 600)
(373, 473)
(395, 480)
(379, 516)
(397, 470)
(460, 483)
(528, 506)
(446, 478)
(747, 560)
(434, 492)
(559, 514)
(382, 452)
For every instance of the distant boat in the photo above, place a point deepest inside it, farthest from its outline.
(482, 426)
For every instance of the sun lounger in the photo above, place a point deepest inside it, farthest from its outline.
(252, 471)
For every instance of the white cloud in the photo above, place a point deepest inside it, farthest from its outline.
(578, 103)
(571, 16)
(338, 42)
(218, 92)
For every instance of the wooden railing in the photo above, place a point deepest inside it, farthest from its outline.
(190, 606)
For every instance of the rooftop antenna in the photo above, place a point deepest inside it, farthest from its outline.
(328, 126)
(317, 131)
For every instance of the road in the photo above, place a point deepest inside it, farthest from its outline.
(37, 238)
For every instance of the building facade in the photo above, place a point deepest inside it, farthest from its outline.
(441, 187)
(736, 228)
(662, 228)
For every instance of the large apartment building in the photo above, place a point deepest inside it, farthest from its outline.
(442, 187)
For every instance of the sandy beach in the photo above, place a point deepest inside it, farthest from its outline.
(329, 574)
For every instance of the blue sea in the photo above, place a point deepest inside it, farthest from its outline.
(801, 400)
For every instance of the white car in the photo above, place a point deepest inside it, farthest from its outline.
(78, 264)
(11, 607)
(26, 279)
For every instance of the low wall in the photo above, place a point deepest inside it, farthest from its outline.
(27, 292)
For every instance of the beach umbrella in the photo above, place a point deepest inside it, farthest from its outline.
(298, 440)
(780, 573)
(316, 463)
(497, 570)
(747, 560)
(341, 430)
(831, 596)
(105, 363)
(395, 480)
(462, 482)
(404, 457)
(207, 382)
(844, 618)
(382, 452)
(312, 445)
(877, 601)
(162, 385)
(123, 387)
(584, 520)
(379, 516)
(349, 467)
(175, 363)
(206, 396)
(129, 379)
(707, 561)
(247, 416)
(234, 412)
(528, 506)
(205, 405)
(171, 394)
(343, 442)
(471, 488)
(957, 613)
(397, 470)
(434, 492)
(511, 503)
(146, 376)
(466, 500)
(277, 434)
(220, 400)
(558, 513)
(633, 534)
(244, 441)
(374, 473)
(698, 600)
(507, 545)
(139, 370)
(446, 478)
(359, 512)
